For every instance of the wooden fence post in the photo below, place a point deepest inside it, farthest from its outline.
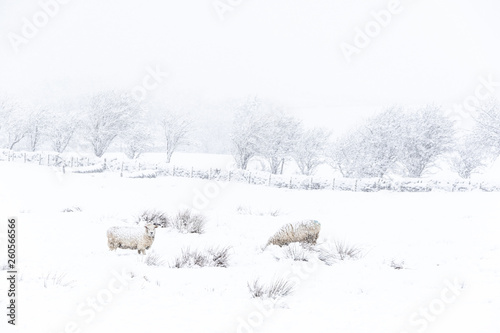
(71, 161)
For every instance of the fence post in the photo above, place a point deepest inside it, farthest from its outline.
(191, 172)
(269, 182)
(311, 183)
(290, 182)
(63, 169)
(250, 178)
(173, 170)
(356, 186)
(229, 179)
(71, 161)
(48, 159)
(121, 170)
(104, 164)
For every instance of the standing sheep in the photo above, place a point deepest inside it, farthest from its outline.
(133, 238)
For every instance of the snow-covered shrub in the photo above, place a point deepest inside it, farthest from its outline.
(327, 255)
(187, 222)
(211, 257)
(246, 210)
(296, 252)
(347, 251)
(397, 264)
(56, 279)
(302, 232)
(72, 209)
(153, 259)
(153, 216)
(275, 289)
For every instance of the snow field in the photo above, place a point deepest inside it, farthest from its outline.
(70, 281)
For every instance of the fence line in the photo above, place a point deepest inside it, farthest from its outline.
(136, 169)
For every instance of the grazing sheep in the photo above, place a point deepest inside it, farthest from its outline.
(302, 232)
(133, 238)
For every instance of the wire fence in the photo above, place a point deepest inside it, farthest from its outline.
(74, 163)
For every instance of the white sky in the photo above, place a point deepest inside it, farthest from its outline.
(434, 51)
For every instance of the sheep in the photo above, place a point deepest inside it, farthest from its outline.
(302, 232)
(133, 238)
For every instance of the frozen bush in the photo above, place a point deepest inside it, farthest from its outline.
(211, 257)
(153, 259)
(187, 222)
(296, 252)
(153, 216)
(275, 289)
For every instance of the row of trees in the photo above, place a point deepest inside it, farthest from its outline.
(101, 120)
(265, 130)
(407, 142)
(396, 141)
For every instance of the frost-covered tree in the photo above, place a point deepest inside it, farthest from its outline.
(108, 114)
(469, 157)
(279, 138)
(62, 128)
(372, 149)
(175, 126)
(137, 140)
(247, 130)
(37, 126)
(14, 124)
(487, 127)
(426, 136)
(310, 149)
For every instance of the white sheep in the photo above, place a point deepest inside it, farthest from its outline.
(133, 238)
(302, 232)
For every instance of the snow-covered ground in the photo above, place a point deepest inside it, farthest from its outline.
(447, 243)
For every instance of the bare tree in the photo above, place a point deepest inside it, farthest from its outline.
(426, 136)
(108, 114)
(470, 156)
(14, 122)
(279, 138)
(487, 126)
(36, 127)
(372, 149)
(137, 140)
(309, 151)
(176, 127)
(63, 125)
(247, 131)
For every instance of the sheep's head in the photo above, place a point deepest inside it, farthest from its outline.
(150, 230)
